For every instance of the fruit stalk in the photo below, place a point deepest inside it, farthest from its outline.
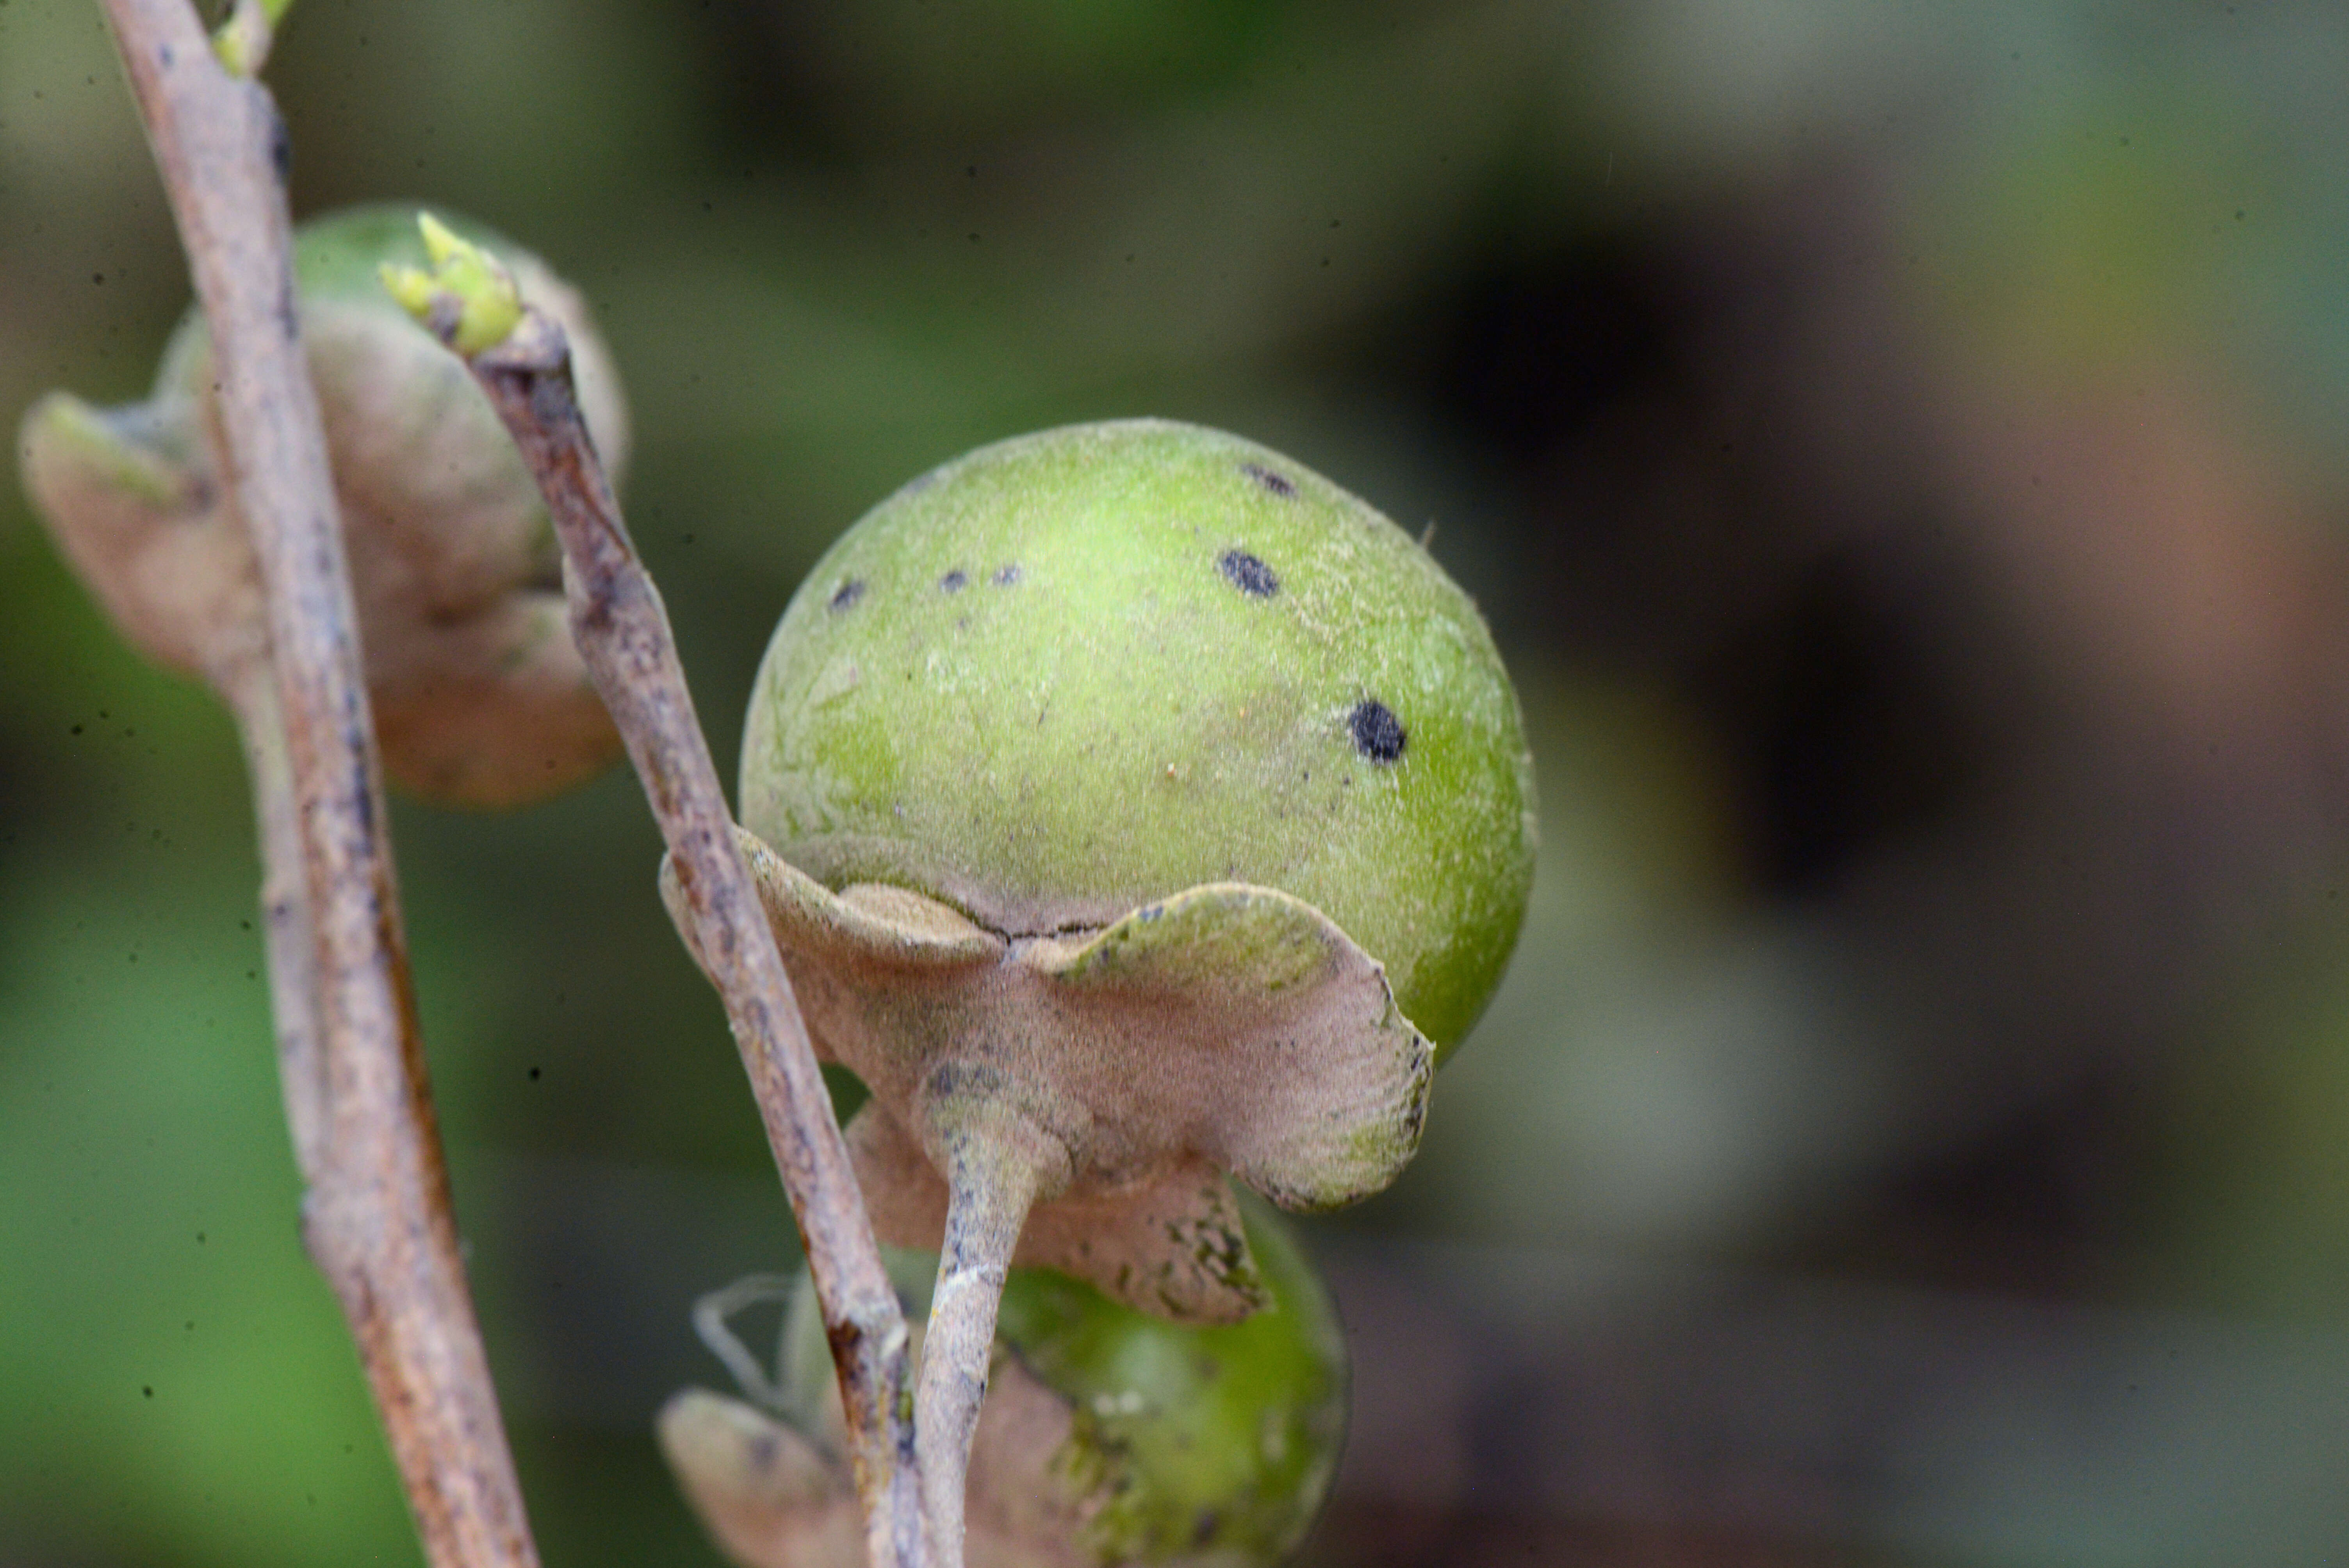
(623, 635)
(377, 1216)
(998, 1163)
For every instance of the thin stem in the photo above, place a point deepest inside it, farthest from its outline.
(376, 1217)
(991, 1183)
(709, 1315)
(624, 636)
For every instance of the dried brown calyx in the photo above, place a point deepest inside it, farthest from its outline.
(1102, 1082)
(1074, 1102)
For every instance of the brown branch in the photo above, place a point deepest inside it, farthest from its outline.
(376, 1218)
(251, 691)
(624, 635)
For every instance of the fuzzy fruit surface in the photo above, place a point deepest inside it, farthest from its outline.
(1074, 672)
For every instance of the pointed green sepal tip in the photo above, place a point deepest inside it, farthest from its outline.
(71, 448)
(241, 40)
(232, 44)
(476, 287)
(410, 286)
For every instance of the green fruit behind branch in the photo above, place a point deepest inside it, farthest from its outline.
(1184, 1445)
(1216, 1444)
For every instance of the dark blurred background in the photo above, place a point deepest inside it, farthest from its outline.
(1899, 451)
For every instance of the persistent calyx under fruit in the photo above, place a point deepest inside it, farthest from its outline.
(479, 695)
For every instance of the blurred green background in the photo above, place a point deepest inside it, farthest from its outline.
(1900, 449)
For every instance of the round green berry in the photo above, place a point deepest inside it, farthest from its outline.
(1073, 672)
(1215, 1444)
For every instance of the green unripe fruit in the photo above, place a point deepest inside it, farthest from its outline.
(1215, 1444)
(1076, 671)
(1111, 1436)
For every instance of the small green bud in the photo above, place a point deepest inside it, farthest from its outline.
(1212, 1444)
(412, 287)
(243, 39)
(469, 298)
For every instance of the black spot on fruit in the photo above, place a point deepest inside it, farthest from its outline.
(954, 580)
(1280, 485)
(1248, 574)
(1007, 577)
(1378, 733)
(846, 595)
